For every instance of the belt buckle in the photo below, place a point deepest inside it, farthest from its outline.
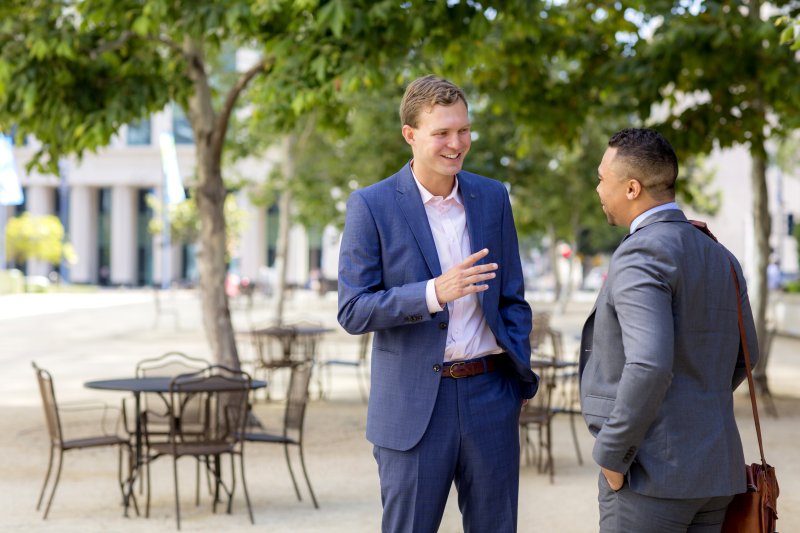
(453, 365)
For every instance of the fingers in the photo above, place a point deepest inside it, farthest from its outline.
(474, 258)
(465, 278)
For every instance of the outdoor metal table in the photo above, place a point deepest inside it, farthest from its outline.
(289, 336)
(154, 384)
(296, 344)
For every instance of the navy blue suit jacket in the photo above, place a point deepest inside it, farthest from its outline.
(387, 256)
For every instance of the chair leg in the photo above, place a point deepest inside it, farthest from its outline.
(244, 486)
(305, 473)
(233, 484)
(127, 498)
(55, 483)
(197, 483)
(177, 496)
(291, 472)
(46, 478)
(550, 462)
(147, 503)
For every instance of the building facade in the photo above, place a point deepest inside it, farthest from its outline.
(102, 202)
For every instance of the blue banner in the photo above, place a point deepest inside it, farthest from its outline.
(174, 192)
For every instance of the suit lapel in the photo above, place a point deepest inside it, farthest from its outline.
(472, 207)
(410, 203)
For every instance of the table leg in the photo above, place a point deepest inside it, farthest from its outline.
(137, 462)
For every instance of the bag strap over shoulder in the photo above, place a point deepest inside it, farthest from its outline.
(743, 339)
(747, 365)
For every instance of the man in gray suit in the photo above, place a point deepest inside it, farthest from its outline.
(661, 355)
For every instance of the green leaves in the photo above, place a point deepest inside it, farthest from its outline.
(37, 237)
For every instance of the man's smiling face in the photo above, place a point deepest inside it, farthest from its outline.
(440, 141)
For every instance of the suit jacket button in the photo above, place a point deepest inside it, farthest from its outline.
(442, 325)
(437, 368)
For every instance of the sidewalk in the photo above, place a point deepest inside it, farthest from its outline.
(101, 335)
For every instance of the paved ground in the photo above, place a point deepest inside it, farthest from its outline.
(103, 334)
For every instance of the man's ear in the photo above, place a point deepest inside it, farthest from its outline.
(633, 189)
(408, 134)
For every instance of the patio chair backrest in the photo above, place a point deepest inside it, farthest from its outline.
(297, 398)
(222, 391)
(169, 364)
(47, 391)
(539, 330)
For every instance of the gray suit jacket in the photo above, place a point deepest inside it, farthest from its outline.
(660, 358)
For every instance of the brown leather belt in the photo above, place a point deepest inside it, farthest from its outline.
(474, 367)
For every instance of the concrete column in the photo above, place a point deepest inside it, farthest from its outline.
(297, 262)
(40, 201)
(331, 240)
(83, 233)
(253, 240)
(123, 235)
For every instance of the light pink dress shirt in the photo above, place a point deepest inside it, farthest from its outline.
(468, 335)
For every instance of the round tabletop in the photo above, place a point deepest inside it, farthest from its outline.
(161, 384)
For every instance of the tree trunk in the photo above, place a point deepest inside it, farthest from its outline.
(762, 227)
(284, 227)
(210, 196)
(758, 287)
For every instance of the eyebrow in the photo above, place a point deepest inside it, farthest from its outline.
(464, 127)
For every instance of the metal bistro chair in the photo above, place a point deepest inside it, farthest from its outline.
(224, 394)
(537, 416)
(360, 364)
(155, 406)
(284, 347)
(539, 331)
(293, 422)
(60, 444)
(567, 399)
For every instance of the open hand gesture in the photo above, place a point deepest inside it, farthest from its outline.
(464, 278)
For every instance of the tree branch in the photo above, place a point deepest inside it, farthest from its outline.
(112, 45)
(126, 36)
(230, 100)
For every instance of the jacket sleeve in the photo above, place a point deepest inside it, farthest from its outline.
(642, 299)
(365, 304)
(514, 310)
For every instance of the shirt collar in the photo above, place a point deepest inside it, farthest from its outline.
(653, 210)
(427, 196)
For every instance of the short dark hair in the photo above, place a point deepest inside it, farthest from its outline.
(424, 93)
(649, 158)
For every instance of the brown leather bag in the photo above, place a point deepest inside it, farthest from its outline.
(754, 511)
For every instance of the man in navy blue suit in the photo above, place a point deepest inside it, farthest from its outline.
(429, 262)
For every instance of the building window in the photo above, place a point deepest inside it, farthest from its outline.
(181, 128)
(139, 133)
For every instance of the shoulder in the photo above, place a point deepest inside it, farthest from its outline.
(377, 193)
(469, 182)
